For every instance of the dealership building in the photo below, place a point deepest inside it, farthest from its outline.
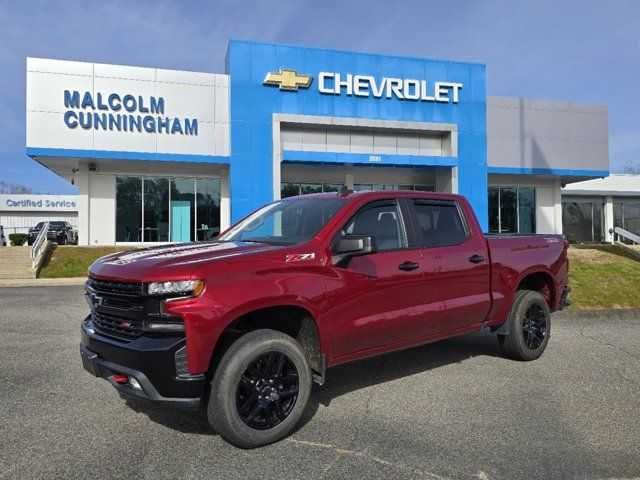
(170, 156)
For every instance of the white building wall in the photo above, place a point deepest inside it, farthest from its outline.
(82, 182)
(102, 209)
(545, 210)
(193, 95)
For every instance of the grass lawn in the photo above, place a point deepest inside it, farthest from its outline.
(72, 261)
(603, 276)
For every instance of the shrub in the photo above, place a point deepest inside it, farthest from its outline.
(18, 239)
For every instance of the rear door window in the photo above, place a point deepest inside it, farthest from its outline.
(439, 224)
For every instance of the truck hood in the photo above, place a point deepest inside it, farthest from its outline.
(170, 262)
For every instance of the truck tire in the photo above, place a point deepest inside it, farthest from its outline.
(529, 327)
(260, 389)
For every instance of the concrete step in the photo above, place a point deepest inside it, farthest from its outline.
(4, 268)
(18, 274)
(7, 260)
(19, 266)
(15, 269)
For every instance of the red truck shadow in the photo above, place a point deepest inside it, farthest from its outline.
(347, 378)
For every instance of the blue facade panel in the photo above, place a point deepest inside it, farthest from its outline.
(253, 105)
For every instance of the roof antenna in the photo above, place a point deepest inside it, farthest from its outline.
(344, 191)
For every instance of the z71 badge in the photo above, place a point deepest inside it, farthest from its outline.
(299, 257)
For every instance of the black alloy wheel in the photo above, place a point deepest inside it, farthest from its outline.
(267, 391)
(260, 389)
(534, 326)
(528, 326)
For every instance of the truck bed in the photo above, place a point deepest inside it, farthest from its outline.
(513, 257)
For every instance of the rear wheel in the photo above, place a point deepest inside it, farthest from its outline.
(529, 327)
(260, 389)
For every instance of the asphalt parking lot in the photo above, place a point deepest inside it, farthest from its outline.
(454, 409)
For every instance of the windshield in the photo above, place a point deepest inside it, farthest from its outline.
(56, 224)
(286, 222)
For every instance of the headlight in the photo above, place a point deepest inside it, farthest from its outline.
(194, 287)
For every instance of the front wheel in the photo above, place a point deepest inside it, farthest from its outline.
(529, 327)
(260, 389)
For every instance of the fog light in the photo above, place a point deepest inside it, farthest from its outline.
(121, 379)
(134, 383)
(165, 327)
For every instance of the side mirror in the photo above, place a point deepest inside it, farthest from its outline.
(354, 245)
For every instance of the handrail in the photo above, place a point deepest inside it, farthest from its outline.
(37, 245)
(626, 234)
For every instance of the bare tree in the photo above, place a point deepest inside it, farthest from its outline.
(633, 169)
(15, 188)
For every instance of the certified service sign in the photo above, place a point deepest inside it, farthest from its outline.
(38, 203)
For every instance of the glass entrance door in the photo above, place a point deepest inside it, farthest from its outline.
(180, 221)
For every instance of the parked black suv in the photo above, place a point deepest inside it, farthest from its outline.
(60, 232)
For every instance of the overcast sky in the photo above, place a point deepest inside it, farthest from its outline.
(586, 51)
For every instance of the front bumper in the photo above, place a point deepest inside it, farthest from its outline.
(151, 361)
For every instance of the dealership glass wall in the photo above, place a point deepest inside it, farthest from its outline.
(512, 210)
(161, 209)
(583, 222)
(291, 189)
(626, 215)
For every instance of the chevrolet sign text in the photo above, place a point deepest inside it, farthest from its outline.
(400, 88)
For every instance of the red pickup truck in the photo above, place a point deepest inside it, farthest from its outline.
(243, 325)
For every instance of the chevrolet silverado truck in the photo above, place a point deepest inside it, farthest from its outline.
(244, 325)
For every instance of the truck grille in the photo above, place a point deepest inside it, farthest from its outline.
(120, 327)
(116, 288)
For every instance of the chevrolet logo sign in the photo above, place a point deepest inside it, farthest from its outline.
(288, 80)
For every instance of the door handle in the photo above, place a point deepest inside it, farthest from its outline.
(408, 266)
(476, 259)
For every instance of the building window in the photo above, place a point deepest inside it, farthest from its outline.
(291, 189)
(626, 215)
(183, 210)
(359, 187)
(156, 209)
(582, 222)
(128, 209)
(160, 209)
(208, 208)
(309, 188)
(512, 210)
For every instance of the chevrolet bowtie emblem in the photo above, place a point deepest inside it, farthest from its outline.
(288, 80)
